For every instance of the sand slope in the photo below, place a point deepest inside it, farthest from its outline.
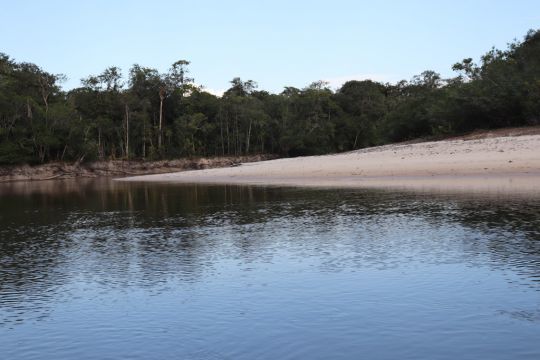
(463, 163)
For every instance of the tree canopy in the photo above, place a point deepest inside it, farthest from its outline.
(153, 115)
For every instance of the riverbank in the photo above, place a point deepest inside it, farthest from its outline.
(118, 168)
(477, 160)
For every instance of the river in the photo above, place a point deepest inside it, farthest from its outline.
(94, 269)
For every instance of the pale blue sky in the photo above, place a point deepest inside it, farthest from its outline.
(276, 43)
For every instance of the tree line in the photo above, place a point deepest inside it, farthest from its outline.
(153, 115)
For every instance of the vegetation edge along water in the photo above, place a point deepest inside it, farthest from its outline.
(155, 116)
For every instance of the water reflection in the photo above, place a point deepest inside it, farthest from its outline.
(63, 241)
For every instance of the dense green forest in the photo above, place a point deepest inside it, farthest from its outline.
(149, 115)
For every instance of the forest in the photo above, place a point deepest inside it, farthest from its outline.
(148, 115)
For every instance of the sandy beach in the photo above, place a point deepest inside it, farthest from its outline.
(509, 162)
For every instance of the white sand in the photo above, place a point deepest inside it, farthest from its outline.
(500, 162)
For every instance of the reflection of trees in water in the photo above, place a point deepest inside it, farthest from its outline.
(30, 268)
(510, 232)
(121, 235)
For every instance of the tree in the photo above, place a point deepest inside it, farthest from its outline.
(364, 108)
(174, 82)
(154, 115)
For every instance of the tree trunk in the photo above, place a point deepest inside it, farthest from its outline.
(127, 131)
(160, 120)
(221, 131)
(248, 137)
(28, 109)
(144, 140)
(236, 138)
(100, 150)
(64, 153)
(228, 138)
(46, 101)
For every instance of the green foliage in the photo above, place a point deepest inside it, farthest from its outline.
(12, 153)
(153, 115)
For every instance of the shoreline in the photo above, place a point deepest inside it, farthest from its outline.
(511, 183)
(111, 168)
(506, 163)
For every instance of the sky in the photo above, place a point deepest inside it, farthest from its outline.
(276, 43)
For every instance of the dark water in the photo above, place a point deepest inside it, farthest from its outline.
(94, 270)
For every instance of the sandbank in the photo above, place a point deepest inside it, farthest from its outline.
(506, 162)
